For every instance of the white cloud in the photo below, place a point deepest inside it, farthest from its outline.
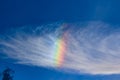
(92, 47)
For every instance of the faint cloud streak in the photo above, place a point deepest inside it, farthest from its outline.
(92, 47)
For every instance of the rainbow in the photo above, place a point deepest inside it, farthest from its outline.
(60, 49)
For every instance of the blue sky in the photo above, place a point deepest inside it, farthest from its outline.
(29, 29)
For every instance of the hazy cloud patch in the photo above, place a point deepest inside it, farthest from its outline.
(91, 47)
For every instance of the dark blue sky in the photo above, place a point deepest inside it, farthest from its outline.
(17, 13)
(24, 12)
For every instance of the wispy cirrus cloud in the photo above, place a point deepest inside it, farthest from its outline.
(91, 47)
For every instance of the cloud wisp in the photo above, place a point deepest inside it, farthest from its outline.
(91, 47)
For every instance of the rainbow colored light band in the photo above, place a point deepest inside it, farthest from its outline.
(60, 49)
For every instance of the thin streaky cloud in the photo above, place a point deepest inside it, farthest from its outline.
(91, 47)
